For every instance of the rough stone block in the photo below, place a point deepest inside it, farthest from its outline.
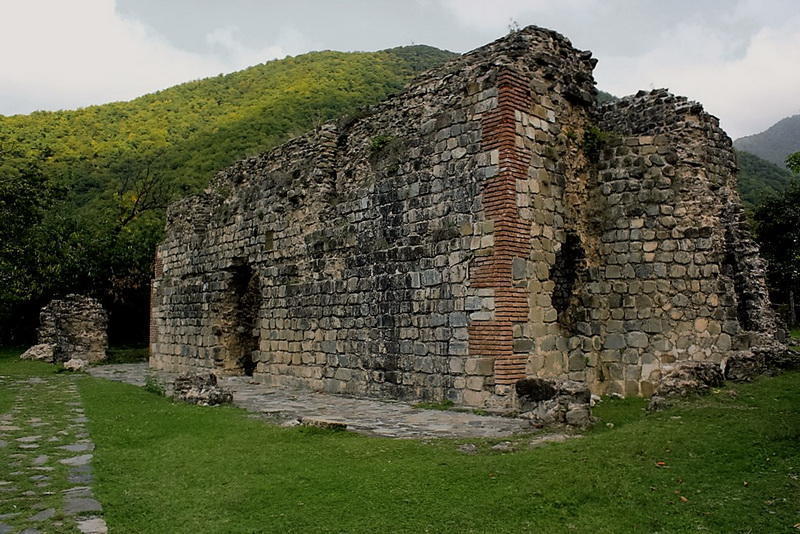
(615, 341)
(201, 389)
(43, 352)
(637, 339)
(479, 366)
(523, 345)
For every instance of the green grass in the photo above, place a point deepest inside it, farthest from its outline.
(178, 468)
(11, 365)
(6, 395)
(735, 458)
(442, 405)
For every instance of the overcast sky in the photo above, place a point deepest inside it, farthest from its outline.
(738, 57)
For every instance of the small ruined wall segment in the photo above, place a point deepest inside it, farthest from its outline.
(474, 231)
(677, 277)
(76, 326)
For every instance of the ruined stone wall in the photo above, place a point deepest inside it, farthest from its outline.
(476, 230)
(375, 256)
(76, 326)
(676, 276)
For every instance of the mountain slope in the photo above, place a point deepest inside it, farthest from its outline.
(189, 131)
(603, 97)
(97, 179)
(775, 143)
(759, 178)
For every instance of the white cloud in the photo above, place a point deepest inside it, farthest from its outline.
(498, 14)
(225, 39)
(749, 92)
(66, 54)
(226, 42)
(738, 58)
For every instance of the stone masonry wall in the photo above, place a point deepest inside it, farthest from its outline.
(476, 230)
(76, 326)
(676, 277)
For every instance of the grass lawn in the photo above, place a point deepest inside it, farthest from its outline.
(731, 464)
(11, 365)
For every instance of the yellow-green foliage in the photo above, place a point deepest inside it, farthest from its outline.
(105, 173)
(194, 129)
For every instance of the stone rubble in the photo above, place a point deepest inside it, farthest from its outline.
(468, 448)
(71, 329)
(202, 390)
(554, 402)
(75, 365)
(685, 379)
(42, 352)
(743, 366)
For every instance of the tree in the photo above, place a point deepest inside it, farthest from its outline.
(25, 196)
(777, 223)
(793, 162)
(142, 189)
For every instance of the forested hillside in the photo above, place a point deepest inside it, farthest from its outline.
(775, 143)
(759, 178)
(82, 193)
(191, 130)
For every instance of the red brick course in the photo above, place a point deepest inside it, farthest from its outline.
(494, 338)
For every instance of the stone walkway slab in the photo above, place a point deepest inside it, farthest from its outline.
(45, 464)
(366, 416)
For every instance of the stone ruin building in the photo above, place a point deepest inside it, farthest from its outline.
(489, 225)
(72, 328)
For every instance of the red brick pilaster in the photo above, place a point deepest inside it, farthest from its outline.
(512, 237)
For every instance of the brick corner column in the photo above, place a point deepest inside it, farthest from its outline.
(494, 338)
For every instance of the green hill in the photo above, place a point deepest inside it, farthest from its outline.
(82, 193)
(775, 143)
(758, 177)
(191, 130)
(603, 97)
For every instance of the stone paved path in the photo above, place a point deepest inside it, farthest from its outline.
(45, 459)
(367, 416)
